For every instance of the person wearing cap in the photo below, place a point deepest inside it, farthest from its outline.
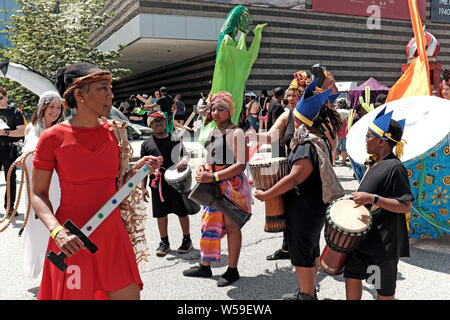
(168, 107)
(386, 191)
(283, 129)
(165, 199)
(307, 190)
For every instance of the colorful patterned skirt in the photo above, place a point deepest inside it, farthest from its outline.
(213, 229)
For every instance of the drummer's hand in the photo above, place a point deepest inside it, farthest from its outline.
(204, 177)
(362, 198)
(68, 243)
(151, 161)
(145, 194)
(201, 168)
(182, 165)
(260, 195)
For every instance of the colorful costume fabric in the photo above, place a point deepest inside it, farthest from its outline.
(212, 226)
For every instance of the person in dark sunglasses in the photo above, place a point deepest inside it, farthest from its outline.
(9, 136)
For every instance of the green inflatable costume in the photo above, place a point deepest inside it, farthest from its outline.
(233, 61)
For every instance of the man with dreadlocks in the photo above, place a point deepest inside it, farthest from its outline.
(307, 190)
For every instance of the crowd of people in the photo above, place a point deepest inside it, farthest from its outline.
(138, 107)
(75, 158)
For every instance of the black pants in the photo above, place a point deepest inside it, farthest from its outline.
(7, 157)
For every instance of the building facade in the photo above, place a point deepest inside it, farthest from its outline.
(6, 9)
(172, 43)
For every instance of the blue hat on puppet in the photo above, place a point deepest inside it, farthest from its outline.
(309, 105)
(380, 127)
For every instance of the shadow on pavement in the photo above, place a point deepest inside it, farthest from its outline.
(433, 254)
(271, 285)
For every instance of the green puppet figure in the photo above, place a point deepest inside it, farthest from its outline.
(233, 61)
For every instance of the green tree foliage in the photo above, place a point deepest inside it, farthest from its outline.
(48, 34)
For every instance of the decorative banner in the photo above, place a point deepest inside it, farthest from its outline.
(391, 9)
(440, 11)
(287, 4)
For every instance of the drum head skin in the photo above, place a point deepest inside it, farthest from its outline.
(172, 174)
(348, 218)
(427, 123)
(268, 162)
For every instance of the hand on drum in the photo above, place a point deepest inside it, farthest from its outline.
(362, 198)
(260, 195)
(203, 176)
(182, 165)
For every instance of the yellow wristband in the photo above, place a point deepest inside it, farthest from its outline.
(55, 231)
(216, 176)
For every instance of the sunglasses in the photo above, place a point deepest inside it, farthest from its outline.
(368, 135)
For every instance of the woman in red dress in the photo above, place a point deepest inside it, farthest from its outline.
(85, 154)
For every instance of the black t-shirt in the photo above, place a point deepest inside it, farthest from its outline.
(309, 192)
(289, 132)
(275, 110)
(168, 148)
(217, 150)
(263, 100)
(388, 236)
(165, 102)
(13, 118)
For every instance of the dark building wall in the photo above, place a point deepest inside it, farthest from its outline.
(293, 40)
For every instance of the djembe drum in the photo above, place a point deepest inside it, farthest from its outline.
(345, 228)
(266, 173)
(182, 182)
(426, 158)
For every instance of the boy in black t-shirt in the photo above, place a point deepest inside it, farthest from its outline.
(162, 144)
(385, 185)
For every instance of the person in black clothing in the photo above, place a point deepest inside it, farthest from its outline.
(275, 108)
(13, 118)
(385, 185)
(168, 107)
(162, 144)
(264, 102)
(303, 190)
(280, 135)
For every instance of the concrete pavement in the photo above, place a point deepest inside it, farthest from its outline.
(425, 275)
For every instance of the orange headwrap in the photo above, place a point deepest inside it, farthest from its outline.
(223, 98)
(300, 83)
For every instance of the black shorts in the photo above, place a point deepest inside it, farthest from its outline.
(173, 203)
(381, 274)
(303, 231)
(179, 117)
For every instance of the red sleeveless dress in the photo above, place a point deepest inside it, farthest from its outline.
(87, 163)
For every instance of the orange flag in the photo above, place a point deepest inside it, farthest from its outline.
(416, 80)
